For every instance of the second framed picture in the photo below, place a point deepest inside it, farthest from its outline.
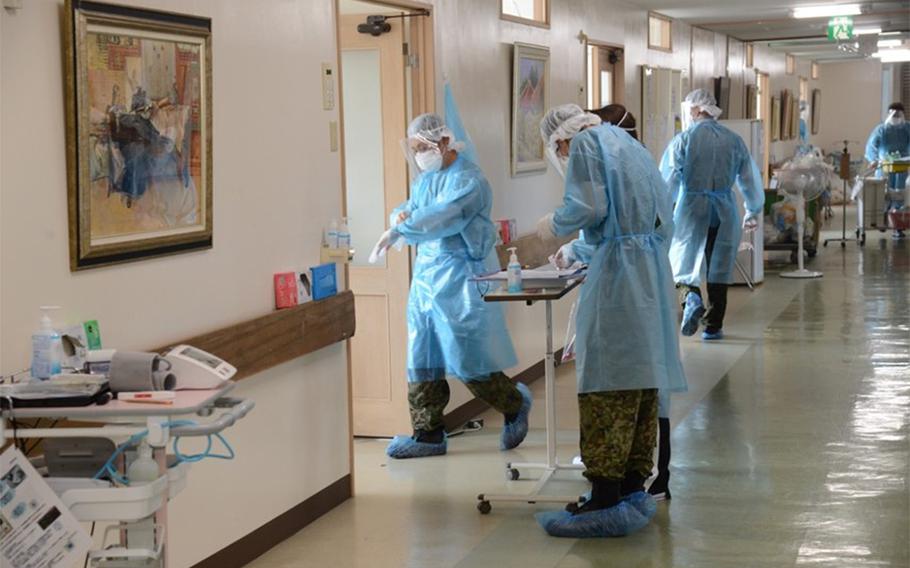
(530, 101)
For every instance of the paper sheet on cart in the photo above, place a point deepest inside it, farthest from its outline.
(537, 274)
(36, 529)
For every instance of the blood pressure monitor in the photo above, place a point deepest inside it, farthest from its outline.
(196, 369)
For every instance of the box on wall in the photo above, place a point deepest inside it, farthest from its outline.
(292, 289)
(325, 282)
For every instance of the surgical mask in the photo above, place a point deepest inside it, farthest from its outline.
(429, 161)
(895, 118)
(560, 163)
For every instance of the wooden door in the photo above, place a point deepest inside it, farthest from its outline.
(606, 84)
(376, 181)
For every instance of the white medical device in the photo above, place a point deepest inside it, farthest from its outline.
(196, 369)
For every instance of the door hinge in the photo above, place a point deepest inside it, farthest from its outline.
(410, 60)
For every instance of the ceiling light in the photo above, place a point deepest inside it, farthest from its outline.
(867, 31)
(884, 33)
(893, 55)
(889, 43)
(827, 11)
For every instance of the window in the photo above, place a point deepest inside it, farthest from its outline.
(659, 36)
(534, 12)
(791, 64)
(804, 89)
(750, 56)
(814, 73)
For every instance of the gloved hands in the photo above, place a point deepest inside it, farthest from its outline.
(564, 257)
(545, 228)
(387, 239)
(750, 222)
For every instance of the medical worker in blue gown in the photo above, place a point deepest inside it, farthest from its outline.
(451, 330)
(890, 138)
(701, 165)
(627, 344)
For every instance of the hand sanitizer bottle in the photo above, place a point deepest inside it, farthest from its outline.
(144, 468)
(514, 272)
(332, 234)
(47, 351)
(344, 234)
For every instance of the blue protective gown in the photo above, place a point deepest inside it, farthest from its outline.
(700, 167)
(451, 330)
(627, 311)
(885, 139)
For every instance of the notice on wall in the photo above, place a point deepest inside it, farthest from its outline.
(36, 530)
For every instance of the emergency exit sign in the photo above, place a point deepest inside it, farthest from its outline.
(840, 28)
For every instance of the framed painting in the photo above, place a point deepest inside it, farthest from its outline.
(816, 109)
(139, 133)
(530, 101)
(751, 102)
(775, 119)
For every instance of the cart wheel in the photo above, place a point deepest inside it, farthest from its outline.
(812, 253)
(512, 474)
(862, 240)
(843, 245)
(484, 507)
(794, 257)
(825, 244)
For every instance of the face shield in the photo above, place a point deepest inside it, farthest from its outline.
(425, 146)
(563, 123)
(895, 118)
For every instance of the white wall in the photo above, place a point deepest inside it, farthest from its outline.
(851, 107)
(275, 184)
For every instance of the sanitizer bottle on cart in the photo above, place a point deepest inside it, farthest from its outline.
(144, 468)
(47, 350)
(514, 272)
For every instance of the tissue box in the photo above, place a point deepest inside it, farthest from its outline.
(292, 289)
(325, 283)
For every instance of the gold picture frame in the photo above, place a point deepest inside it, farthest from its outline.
(816, 109)
(775, 119)
(139, 133)
(530, 101)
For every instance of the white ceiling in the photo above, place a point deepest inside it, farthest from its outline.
(770, 21)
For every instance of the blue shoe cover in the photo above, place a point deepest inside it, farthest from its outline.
(403, 447)
(692, 314)
(620, 520)
(643, 502)
(514, 433)
(713, 335)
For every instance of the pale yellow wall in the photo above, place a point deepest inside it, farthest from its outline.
(851, 103)
(276, 183)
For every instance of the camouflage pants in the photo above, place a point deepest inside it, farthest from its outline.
(428, 399)
(618, 432)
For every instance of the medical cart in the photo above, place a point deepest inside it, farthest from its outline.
(137, 534)
(554, 292)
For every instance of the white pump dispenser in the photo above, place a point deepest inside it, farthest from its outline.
(513, 271)
(47, 351)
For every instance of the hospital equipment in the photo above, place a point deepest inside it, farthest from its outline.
(196, 369)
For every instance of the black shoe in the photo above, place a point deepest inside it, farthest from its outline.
(436, 436)
(605, 493)
(633, 483)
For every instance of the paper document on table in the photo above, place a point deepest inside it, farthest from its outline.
(537, 274)
(36, 529)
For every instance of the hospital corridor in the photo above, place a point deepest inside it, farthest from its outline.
(454, 284)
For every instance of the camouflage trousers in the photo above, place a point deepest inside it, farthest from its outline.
(618, 432)
(428, 399)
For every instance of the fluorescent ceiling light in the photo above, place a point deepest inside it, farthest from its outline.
(884, 33)
(827, 11)
(889, 43)
(867, 31)
(893, 55)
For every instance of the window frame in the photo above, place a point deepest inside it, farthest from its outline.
(750, 56)
(790, 64)
(814, 71)
(669, 22)
(527, 21)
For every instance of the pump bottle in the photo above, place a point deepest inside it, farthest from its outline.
(47, 351)
(513, 272)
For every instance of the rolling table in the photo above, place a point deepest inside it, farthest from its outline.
(92, 501)
(551, 466)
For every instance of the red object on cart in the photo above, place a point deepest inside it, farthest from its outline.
(899, 220)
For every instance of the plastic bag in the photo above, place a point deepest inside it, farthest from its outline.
(568, 352)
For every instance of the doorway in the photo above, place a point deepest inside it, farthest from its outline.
(605, 79)
(386, 79)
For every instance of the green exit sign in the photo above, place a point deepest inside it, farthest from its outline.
(840, 28)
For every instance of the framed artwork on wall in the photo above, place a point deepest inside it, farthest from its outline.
(816, 109)
(751, 102)
(786, 114)
(775, 119)
(139, 133)
(530, 101)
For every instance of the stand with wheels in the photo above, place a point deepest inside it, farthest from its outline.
(552, 465)
(845, 176)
